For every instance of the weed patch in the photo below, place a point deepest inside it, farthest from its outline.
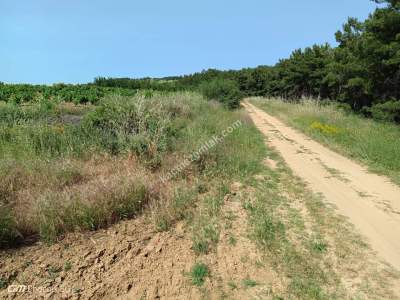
(199, 273)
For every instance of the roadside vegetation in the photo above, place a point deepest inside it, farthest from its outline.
(307, 250)
(304, 240)
(68, 167)
(373, 143)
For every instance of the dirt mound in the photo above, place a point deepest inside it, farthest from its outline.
(128, 260)
(132, 261)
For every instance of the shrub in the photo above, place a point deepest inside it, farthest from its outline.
(225, 91)
(388, 111)
(131, 124)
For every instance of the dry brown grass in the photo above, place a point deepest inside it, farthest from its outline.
(48, 199)
(38, 193)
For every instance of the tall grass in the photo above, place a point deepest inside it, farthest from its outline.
(374, 143)
(66, 168)
(56, 168)
(236, 157)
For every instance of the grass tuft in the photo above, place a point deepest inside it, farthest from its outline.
(199, 273)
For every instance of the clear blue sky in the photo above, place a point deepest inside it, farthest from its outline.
(47, 41)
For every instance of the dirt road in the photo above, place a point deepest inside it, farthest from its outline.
(371, 202)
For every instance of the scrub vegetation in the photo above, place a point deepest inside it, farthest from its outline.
(68, 167)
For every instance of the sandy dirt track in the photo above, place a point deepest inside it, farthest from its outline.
(371, 202)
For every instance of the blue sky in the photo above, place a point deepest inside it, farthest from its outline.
(47, 41)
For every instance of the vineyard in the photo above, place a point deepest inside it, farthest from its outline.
(78, 94)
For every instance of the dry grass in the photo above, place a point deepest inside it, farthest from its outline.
(68, 167)
(84, 175)
(74, 195)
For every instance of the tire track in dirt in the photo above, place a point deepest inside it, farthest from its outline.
(371, 202)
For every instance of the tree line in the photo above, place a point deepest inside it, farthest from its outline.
(362, 73)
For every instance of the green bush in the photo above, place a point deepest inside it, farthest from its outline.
(132, 124)
(388, 111)
(140, 125)
(224, 91)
